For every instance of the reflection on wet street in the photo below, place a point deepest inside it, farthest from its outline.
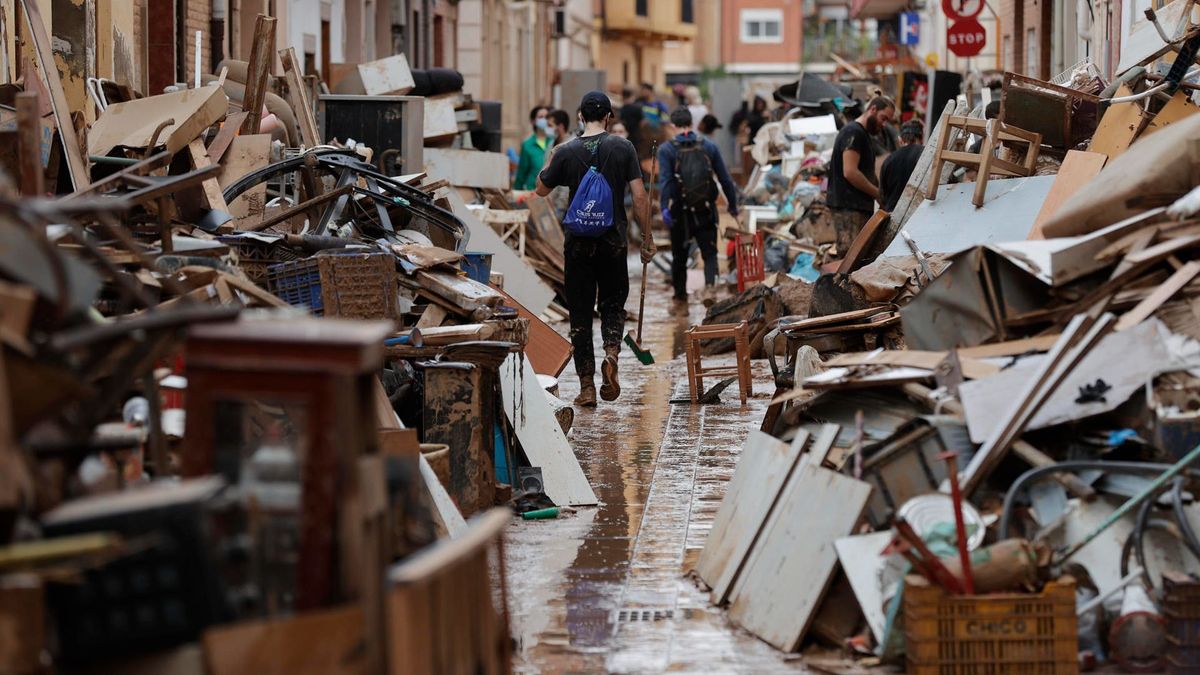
(604, 589)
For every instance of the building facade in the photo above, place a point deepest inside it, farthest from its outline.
(762, 36)
(631, 37)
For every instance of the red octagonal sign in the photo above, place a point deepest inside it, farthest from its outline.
(966, 37)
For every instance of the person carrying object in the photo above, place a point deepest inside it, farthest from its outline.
(597, 168)
(690, 166)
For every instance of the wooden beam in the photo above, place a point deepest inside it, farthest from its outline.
(1163, 293)
(212, 189)
(29, 145)
(256, 73)
(298, 97)
(76, 165)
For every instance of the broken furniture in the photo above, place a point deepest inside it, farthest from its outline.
(749, 260)
(1064, 117)
(460, 412)
(985, 162)
(693, 339)
(282, 409)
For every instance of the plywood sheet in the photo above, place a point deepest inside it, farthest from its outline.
(952, 223)
(787, 573)
(1077, 169)
(246, 154)
(541, 436)
(763, 468)
(468, 168)
(440, 119)
(132, 123)
(860, 559)
(547, 350)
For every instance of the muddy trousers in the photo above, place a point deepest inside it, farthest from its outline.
(597, 275)
(684, 229)
(847, 223)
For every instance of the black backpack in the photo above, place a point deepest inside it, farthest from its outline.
(694, 173)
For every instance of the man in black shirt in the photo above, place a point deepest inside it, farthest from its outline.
(899, 165)
(596, 266)
(852, 185)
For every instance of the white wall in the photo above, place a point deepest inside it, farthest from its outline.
(304, 17)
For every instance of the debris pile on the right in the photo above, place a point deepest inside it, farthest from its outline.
(1005, 479)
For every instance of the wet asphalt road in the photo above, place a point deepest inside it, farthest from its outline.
(604, 589)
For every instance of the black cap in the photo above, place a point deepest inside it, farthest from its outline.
(596, 101)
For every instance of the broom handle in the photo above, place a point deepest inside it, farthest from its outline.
(642, 305)
(645, 265)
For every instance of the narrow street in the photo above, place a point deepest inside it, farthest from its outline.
(604, 589)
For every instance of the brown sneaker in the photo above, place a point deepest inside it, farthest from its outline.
(587, 394)
(610, 389)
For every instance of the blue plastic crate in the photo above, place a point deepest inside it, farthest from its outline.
(297, 283)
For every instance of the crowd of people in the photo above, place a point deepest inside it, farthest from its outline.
(596, 179)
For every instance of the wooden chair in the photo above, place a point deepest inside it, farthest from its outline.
(984, 162)
(749, 260)
(696, 335)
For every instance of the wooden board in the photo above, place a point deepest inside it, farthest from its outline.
(77, 165)
(912, 358)
(322, 641)
(862, 241)
(763, 468)
(547, 350)
(1182, 277)
(1077, 169)
(788, 571)
(385, 77)
(440, 120)
(133, 123)
(246, 154)
(860, 559)
(541, 437)
(298, 97)
(258, 71)
(468, 168)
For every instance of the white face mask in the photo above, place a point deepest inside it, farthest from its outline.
(542, 123)
(551, 132)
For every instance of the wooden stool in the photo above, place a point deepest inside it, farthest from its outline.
(696, 335)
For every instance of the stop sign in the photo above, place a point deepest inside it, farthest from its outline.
(966, 37)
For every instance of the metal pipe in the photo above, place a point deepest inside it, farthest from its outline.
(1178, 467)
(1099, 599)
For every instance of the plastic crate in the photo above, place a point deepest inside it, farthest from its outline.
(354, 285)
(990, 634)
(255, 257)
(1181, 608)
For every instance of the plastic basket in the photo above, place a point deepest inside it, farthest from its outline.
(355, 285)
(990, 634)
(477, 266)
(1181, 608)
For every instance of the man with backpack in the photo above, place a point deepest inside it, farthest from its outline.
(688, 165)
(597, 168)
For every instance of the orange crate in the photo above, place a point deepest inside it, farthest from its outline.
(995, 634)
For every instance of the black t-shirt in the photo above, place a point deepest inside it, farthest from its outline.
(614, 157)
(843, 195)
(894, 174)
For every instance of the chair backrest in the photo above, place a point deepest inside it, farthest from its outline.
(749, 260)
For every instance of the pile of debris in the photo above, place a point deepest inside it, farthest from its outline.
(252, 383)
(997, 419)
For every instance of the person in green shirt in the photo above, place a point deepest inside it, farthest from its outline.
(533, 149)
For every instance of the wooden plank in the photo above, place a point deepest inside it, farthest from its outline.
(257, 70)
(76, 163)
(548, 351)
(860, 559)
(433, 316)
(912, 358)
(298, 96)
(1164, 292)
(212, 188)
(323, 641)
(468, 168)
(1077, 169)
(788, 572)
(225, 135)
(763, 468)
(134, 123)
(541, 436)
(440, 120)
(29, 145)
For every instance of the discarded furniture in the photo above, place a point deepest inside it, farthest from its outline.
(984, 162)
(283, 410)
(1064, 117)
(460, 411)
(749, 260)
(696, 335)
(444, 615)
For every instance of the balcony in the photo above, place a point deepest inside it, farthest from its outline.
(659, 20)
(818, 48)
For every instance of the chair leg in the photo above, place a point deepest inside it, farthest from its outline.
(985, 164)
(935, 176)
(742, 346)
(689, 343)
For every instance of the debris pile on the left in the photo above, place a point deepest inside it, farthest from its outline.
(250, 386)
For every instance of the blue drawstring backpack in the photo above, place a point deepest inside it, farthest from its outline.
(590, 213)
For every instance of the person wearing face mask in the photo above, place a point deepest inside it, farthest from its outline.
(533, 150)
(560, 126)
(853, 188)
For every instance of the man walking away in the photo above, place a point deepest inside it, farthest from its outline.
(533, 150)
(899, 165)
(597, 168)
(852, 185)
(688, 165)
